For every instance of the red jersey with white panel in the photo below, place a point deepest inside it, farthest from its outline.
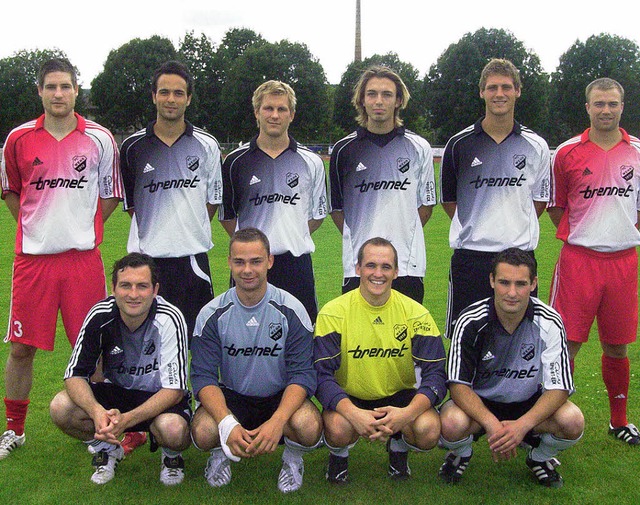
(600, 192)
(59, 183)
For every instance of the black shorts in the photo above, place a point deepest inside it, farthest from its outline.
(111, 396)
(511, 412)
(413, 287)
(400, 399)
(186, 283)
(294, 274)
(469, 282)
(251, 411)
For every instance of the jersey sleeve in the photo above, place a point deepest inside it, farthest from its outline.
(541, 185)
(87, 350)
(127, 169)
(426, 184)
(327, 358)
(206, 356)
(111, 184)
(448, 175)
(335, 185)
(214, 174)
(319, 196)
(11, 180)
(227, 209)
(555, 356)
(463, 359)
(558, 196)
(429, 355)
(173, 356)
(299, 357)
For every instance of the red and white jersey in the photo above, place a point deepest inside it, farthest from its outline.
(59, 183)
(600, 192)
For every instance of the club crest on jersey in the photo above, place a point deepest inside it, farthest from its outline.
(149, 348)
(193, 162)
(626, 172)
(275, 331)
(292, 180)
(401, 332)
(403, 164)
(519, 161)
(527, 351)
(79, 163)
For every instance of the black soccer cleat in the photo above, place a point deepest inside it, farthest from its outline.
(338, 470)
(453, 467)
(545, 472)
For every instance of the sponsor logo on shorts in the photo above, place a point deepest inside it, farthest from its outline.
(193, 162)
(79, 163)
(403, 164)
(378, 352)
(519, 161)
(292, 179)
(275, 331)
(400, 331)
(527, 352)
(626, 172)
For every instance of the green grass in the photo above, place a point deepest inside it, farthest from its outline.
(52, 468)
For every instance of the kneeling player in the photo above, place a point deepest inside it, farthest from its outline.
(252, 370)
(509, 377)
(142, 340)
(367, 342)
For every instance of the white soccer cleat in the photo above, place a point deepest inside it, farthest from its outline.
(105, 463)
(290, 478)
(218, 469)
(10, 441)
(172, 470)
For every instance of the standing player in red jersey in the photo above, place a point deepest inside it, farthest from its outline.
(61, 181)
(595, 204)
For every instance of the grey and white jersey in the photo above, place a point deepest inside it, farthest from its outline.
(255, 351)
(509, 368)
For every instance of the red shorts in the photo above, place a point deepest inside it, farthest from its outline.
(71, 282)
(590, 285)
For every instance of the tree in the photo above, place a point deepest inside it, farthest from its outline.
(200, 56)
(451, 86)
(285, 61)
(19, 100)
(344, 115)
(601, 55)
(121, 93)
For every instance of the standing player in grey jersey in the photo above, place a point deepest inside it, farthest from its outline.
(275, 184)
(252, 370)
(494, 184)
(171, 173)
(509, 377)
(382, 183)
(142, 342)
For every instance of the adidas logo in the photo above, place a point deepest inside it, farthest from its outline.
(254, 180)
(37, 162)
(252, 322)
(360, 167)
(476, 162)
(147, 168)
(378, 320)
(587, 171)
(621, 396)
(115, 350)
(489, 356)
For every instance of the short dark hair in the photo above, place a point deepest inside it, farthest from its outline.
(247, 235)
(604, 84)
(516, 257)
(135, 260)
(380, 242)
(176, 68)
(57, 65)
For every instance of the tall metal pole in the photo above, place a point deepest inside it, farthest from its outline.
(358, 52)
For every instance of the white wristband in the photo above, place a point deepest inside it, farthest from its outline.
(224, 429)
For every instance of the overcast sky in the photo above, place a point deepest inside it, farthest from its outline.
(418, 30)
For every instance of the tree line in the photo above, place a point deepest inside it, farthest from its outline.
(444, 101)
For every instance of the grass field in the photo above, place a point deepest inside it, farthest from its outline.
(52, 468)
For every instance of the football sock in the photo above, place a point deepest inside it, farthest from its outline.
(615, 373)
(398, 445)
(96, 446)
(550, 446)
(170, 453)
(16, 411)
(462, 448)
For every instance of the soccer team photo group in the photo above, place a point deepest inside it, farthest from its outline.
(314, 351)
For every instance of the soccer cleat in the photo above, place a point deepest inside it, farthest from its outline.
(338, 470)
(628, 434)
(133, 439)
(453, 467)
(172, 470)
(545, 471)
(218, 469)
(105, 463)
(10, 441)
(399, 465)
(290, 478)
